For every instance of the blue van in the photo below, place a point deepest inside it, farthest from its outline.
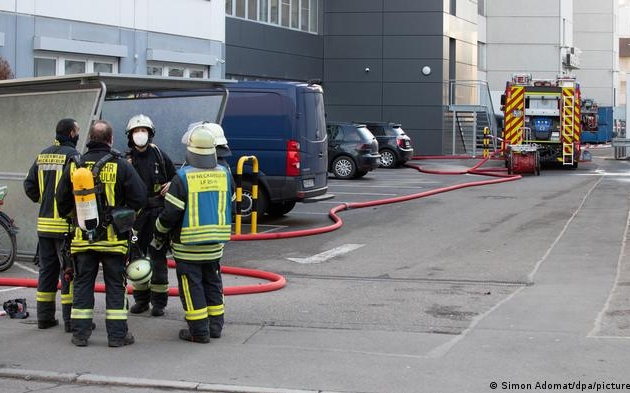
(283, 125)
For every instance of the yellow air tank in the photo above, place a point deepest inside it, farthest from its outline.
(85, 199)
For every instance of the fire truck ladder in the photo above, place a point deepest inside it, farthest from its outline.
(568, 127)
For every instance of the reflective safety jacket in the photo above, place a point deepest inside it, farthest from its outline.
(198, 212)
(122, 187)
(40, 185)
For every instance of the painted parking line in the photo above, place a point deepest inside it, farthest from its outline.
(326, 255)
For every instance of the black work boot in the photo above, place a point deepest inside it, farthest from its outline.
(184, 334)
(215, 323)
(139, 308)
(157, 311)
(46, 324)
(79, 341)
(122, 341)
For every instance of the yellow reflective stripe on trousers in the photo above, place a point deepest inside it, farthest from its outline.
(85, 313)
(190, 313)
(159, 288)
(66, 298)
(215, 311)
(116, 314)
(46, 296)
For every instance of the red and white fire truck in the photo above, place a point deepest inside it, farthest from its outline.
(541, 122)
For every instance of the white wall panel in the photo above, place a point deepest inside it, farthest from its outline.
(191, 18)
(519, 29)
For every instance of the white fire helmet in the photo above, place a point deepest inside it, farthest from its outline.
(140, 121)
(139, 271)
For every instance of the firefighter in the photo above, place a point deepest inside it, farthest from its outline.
(156, 170)
(52, 229)
(118, 186)
(197, 216)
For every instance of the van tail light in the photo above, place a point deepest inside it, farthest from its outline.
(293, 158)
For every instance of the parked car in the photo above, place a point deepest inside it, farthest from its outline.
(394, 144)
(352, 150)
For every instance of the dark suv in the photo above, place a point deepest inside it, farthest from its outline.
(394, 144)
(352, 150)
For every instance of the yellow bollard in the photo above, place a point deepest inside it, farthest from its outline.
(486, 141)
(239, 193)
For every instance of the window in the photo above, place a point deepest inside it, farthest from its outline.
(274, 12)
(285, 13)
(45, 67)
(62, 64)
(481, 7)
(481, 56)
(263, 11)
(252, 9)
(293, 14)
(177, 70)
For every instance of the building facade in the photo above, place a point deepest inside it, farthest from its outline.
(157, 37)
(391, 60)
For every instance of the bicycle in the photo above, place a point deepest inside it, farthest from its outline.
(8, 230)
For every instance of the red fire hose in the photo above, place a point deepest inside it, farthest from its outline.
(277, 281)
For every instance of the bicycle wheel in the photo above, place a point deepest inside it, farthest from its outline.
(8, 247)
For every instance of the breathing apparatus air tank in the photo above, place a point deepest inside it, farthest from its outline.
(85, 199)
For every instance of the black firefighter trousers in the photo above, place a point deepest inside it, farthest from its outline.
(201, 292)
(116, 307)
(50, 271)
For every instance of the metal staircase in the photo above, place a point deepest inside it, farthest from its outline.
(470, 111)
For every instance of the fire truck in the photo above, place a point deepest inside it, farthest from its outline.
(541, 122)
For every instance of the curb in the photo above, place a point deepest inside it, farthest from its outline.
(95, 379)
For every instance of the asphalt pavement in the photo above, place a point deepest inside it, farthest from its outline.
(521, 286)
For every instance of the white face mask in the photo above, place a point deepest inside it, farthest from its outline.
(140, 138)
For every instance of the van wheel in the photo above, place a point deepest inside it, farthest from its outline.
(279, 209)
(388, 158)
(246, 202)
(343, 167)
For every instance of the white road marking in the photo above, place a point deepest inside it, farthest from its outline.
(326, 255)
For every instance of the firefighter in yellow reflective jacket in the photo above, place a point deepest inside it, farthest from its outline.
(119, 187)
(52, 229)
(197, 215)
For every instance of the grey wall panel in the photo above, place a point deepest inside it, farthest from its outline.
(24, 66)
(413, 47)
(412, 23)
(353, 47)
(264, 64)
(426, 142)
(241, 33)
(353, 5)
(7, 50)
(416, 117)
(412, 93)
(414, 5)
(136, 41)
(352, 112)
(353, 24)
(407, 70)
(359, 94)
(339, 70)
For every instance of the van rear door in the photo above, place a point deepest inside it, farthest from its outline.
(313, 144)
